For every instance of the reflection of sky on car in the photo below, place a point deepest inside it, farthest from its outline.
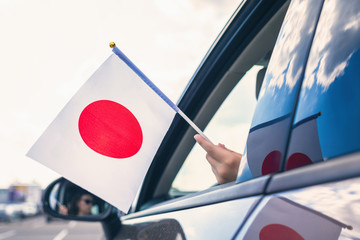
(278, 216)
(191, 223)
(332, 79)
(338, 200)
(267, 140)
(230, 126)
(286, 63)
(336, 37)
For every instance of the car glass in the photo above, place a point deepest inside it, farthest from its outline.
(270, 125)
(326, 123)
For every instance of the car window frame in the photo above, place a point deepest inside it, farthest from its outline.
(246, 24)
(218, 194)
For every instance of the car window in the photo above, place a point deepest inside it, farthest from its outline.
(231, 123)
(229, 126)
(270, 127)
(326, 123)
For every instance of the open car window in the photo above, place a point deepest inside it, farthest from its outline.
(220, 99)
(231, 122)
(229, 126)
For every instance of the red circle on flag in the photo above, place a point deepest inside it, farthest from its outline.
(279, 232)
(297, 160)
(110, 129)
(271, 163)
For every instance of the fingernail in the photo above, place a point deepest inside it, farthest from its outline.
(196, 137)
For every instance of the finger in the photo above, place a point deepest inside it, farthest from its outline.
(205, 144)
(216, 152)
(213, 162)
(223, 146)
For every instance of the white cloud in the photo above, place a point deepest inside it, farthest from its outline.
(338, 32)
(176, 9)
(287, 58)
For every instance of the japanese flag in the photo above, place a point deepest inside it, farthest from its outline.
(105, 138)
(265, 147)
(304, 147)
(282, 219)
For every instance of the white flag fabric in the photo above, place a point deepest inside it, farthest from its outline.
(105, 138)
(265, 146)
(281, 219)
(304, 147)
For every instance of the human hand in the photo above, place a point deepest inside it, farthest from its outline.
(62, 209)
(224, 162)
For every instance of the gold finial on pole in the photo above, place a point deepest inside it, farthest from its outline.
(112, 44)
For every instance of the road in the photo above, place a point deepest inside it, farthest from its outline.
(38, 229)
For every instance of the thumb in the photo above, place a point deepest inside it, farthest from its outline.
(222, 146)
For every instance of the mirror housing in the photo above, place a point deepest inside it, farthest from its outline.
(64, 199)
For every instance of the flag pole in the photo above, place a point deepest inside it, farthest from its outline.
(122, 56)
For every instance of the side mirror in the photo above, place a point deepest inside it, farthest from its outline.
(66, 200)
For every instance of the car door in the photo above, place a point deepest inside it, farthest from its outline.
(317, 196)
(162, 212)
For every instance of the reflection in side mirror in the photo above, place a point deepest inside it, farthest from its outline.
(64, 199)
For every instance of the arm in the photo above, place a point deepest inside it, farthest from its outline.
(62, 209)
(224, 162)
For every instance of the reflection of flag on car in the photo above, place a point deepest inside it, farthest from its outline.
(304, 147)
(283, 219)
(107, 135)
(265, 146)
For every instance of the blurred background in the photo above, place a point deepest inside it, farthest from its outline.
(50, 48)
